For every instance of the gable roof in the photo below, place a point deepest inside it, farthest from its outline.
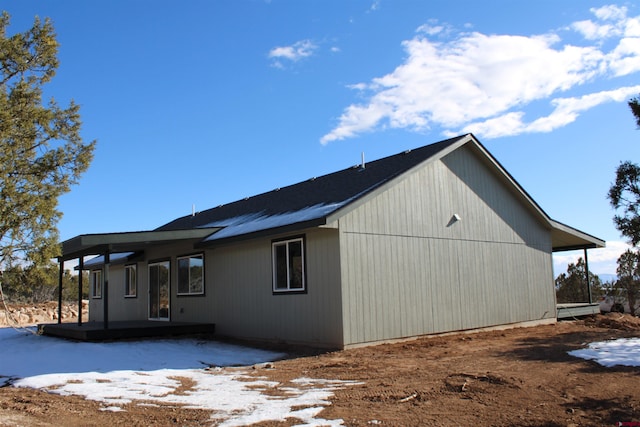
(317, 201)
(307, 203)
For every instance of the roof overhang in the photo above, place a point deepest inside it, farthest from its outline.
(565, 238)
(97, 244)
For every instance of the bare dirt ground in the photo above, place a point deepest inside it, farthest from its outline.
(520, 377)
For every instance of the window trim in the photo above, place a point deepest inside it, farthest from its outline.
(190, 294)
(286, 242)
(96, 285)
(127, 268)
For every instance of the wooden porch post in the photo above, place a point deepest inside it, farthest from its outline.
(586, 269)
(80, 268)
(60, 276)
(105, 291)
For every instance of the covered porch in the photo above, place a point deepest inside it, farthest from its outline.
(576, 309)
(103, 246)
(565, 238)
(96, 331)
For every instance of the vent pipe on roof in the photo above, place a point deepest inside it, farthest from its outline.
(362, 164)
(193, 210)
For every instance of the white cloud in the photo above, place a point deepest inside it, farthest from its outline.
(358, 86)
(293, 53)
(374, 6)
(433, 28)
(593, 31)
(481, 83)
(612, 22)
(625, 58)
(610, 12)
(566, 111)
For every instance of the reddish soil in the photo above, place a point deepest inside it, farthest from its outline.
(518, 377)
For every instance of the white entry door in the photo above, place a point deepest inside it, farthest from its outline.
(159, 290)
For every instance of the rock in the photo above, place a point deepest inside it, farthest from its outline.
(31, 314)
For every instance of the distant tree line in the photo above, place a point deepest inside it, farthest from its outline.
(572, 285)
(35, 284)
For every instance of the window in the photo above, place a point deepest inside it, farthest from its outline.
(191, 275)
(96, 283)
(288, 265)
(130, 281)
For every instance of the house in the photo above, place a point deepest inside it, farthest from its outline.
(436, 239)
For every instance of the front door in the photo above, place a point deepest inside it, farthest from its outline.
(159, 290)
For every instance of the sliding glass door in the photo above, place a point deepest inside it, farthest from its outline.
(159, 290)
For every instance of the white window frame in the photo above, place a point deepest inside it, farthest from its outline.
(286, 243)
(189, 292)
(96, 284)
(128, 269)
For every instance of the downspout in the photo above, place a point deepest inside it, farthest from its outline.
(586, 269)
(60, 276)
(80, 270)
(105, 291)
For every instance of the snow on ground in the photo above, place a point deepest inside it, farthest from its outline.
(121, 372)
(624, 351)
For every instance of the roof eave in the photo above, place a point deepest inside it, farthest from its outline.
(566, 238)
(96, 244)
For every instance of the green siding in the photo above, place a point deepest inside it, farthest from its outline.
(244, 305)
(408, 271)
(238, 292)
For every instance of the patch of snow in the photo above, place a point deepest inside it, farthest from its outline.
(623, 351)
(259, 221)
(112, 409)
(151, 372)
(114, 257)
(25, 355)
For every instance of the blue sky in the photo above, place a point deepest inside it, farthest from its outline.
(206, 102)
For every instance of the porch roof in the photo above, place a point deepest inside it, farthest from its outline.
(566, 238)
(98, 244)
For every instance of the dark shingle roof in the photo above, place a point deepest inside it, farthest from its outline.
(307, 200)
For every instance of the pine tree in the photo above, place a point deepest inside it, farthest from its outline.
(624, 194)
(572, 285)
(634, 104)
(41, 151)
(629, 277)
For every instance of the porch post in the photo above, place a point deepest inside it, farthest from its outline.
(105, 291)
(586, 269)
(80, 268)
(60, 276)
